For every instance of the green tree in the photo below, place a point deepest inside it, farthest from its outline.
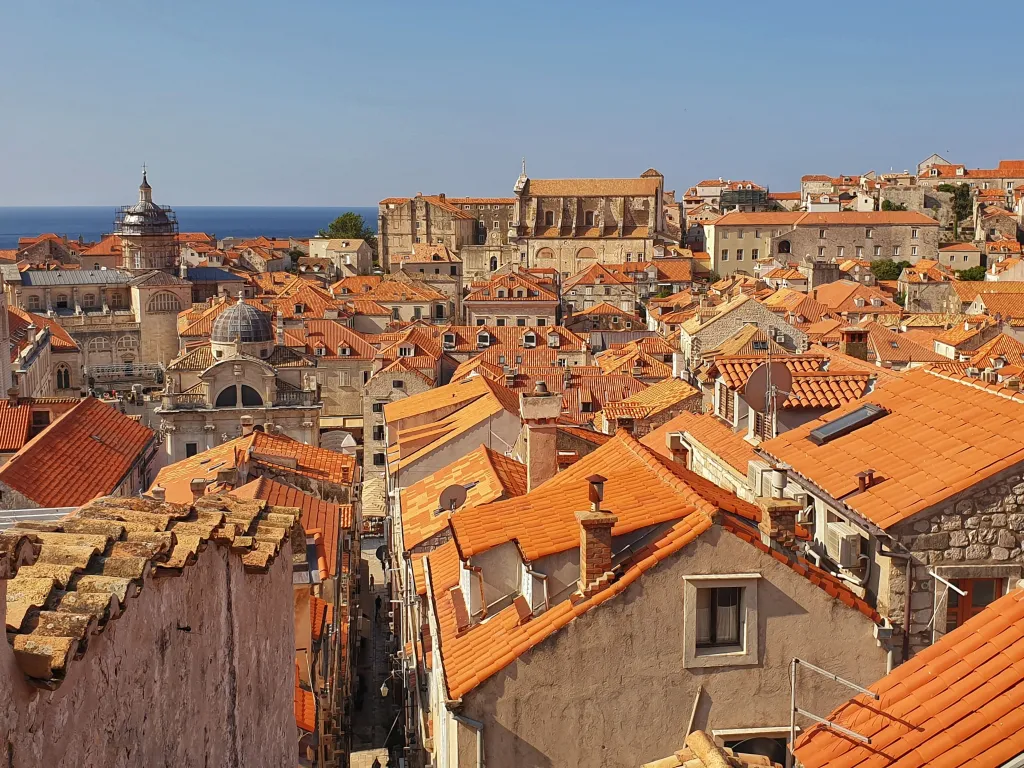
(889, 205)
(350, 224)
(974, 273)
(887, 269)
(963, 206)
(295, 254)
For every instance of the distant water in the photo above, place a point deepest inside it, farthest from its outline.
(92, 222)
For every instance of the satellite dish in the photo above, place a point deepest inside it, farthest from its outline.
(452, 497)
(755, 391)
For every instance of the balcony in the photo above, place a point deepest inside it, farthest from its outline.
(126, 372)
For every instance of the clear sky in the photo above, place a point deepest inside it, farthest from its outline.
(302, 102)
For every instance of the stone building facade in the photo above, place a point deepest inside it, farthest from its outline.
(978, 534)
(403, 222)
(570, 224)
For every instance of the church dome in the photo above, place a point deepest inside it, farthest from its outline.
(242, 322)
(145, 217)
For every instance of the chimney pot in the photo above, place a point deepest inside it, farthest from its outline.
(540, 388)
(865, 479)
(778, 520)
(595, 546)
(539, 412)
(198, 487)
(596, 491)
(12, 397)
(247, 425)
(158, 493)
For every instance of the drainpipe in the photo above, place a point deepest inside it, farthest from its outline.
(905, 557)
(477, 726)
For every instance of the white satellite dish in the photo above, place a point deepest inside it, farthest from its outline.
(775, 376)
(452, 497)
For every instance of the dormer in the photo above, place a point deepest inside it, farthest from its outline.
(448, 341)
(406, 350)
(529, 340)
(483, 339)
(554, 340)
(344, 350)
(500, 293)
(960, 171)
(933, 171)
(436, 257)
(520, 293)
(876, 301)
(320, 351)
(300, 308)
(859, 302)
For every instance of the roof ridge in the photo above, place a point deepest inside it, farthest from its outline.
(992, 389)
(651, 460)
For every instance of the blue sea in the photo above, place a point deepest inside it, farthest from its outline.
(92, 222)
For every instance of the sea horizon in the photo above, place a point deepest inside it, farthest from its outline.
(92, 222)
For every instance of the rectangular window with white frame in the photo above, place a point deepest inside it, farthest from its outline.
(720, 620)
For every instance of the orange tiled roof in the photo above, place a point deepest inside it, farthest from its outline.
(1009, 349)
(108, 246)
(597, 274)
(826, 389)
(510, 283)
(736, 369)
(651, 401)
(888, 346)
(639, 187)
(261, 450)
(321, 614)
(305, 706)
(486, 476)
(85, 453)
(317, 514)
(943, 434)
(709, 432)
(96, 563)
(14, 423)
(1006, 306)
(968, 290)
(959, 702)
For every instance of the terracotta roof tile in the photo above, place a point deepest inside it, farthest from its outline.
(942, 435)
(85, 453)
(261, 450)
(510, 284)
(91, 562)
(316, 514)
(958, 703)
(639, 187)
(321, 613)
(305, 706)
(709, 432)
(651, 401)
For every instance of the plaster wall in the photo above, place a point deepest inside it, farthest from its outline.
(198, 671)
(617, 673)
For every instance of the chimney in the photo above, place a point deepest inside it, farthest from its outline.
(567, 378)
(246, 425)
(595, 538)
(30, 333)
(158, 493)
(539, 411)
(279, 325)
(778, 514)
(853, 341)
(510, 378)
(12, 397)
(678, 449)
(865, 480)
(226, 477)
(198, 487)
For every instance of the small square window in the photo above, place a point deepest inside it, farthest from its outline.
(191, 449)
(725, 255)
(397, 384)
(378, 459)
(377, 407)
(378, 432)
(821, 233)
(720, 626)
(739, 254)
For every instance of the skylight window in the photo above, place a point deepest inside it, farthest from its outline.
(844, 425)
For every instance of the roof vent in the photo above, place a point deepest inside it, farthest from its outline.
(844, 425)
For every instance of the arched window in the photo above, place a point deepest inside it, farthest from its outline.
(99, 344)
(127, 344)
(96, 265)
(228, 398)
(586, 253)
(589, 218)
(63, 377)
(549, 218)
(164, 301)
(784, 246)
(32, 302)
(250, 397)
(545, 254)
(494, 263)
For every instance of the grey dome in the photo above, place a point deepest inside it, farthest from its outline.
(242, 322)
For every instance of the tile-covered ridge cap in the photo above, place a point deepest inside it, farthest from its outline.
(999, 390)
(92, 561)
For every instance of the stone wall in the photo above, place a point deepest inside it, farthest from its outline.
(975, 534)
(842, 242)
(198, 671)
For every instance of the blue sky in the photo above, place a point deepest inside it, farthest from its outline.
(275, 102)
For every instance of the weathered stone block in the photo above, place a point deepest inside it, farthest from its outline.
(1006, 539)
(972, 522)
(922, 526)
(999, 520)
(1000, 553)
(1016, 522)
(964, 506)
(952, 523)
(958, 539)
(953, 555)
(929, 541)
(977, 552)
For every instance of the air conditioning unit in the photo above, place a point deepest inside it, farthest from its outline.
(842, 543)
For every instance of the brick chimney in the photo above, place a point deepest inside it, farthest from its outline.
(539, 411)
(853, 341)
(12, 397)
(595, 538)
(778, 514)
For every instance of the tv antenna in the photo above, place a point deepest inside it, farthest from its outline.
(768, 387)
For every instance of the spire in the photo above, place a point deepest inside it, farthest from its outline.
(521, 181)
(145, 191)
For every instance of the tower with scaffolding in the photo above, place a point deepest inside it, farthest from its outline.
(148, 232)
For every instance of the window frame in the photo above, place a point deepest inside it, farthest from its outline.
(743, 654)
